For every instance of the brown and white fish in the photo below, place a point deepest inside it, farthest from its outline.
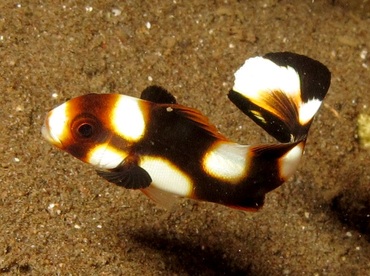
(161, 147)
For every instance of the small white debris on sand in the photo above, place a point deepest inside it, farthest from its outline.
(148, 25)
(363, 54)
(169, 109)
(76, 226)
(150, 78)
(53, 209)
(116, 12)
(88, 8)
(19, 108)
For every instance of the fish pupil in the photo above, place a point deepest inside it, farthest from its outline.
(85, 130)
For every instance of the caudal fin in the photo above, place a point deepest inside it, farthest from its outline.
(281, 92)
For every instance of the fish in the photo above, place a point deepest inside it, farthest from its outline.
(166, 149)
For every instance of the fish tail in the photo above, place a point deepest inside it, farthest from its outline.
(281, 92)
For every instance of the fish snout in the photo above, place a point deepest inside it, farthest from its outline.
(48, 132)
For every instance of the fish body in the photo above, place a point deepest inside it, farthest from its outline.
(163, 148)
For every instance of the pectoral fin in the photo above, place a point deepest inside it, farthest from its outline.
(128, 175)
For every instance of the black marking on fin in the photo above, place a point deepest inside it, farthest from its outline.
(157, 94)
(127, 175)
(281, 130)
(314, 76)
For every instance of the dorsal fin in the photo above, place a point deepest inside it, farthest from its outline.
(199, 119)
(157, 94)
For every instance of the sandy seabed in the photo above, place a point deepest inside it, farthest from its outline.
(59, 218)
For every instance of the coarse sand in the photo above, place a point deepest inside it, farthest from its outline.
(57, 217)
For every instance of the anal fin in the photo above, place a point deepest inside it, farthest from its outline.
(162, 198)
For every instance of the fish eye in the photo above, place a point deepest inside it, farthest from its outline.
(85, 126)
(85, 130)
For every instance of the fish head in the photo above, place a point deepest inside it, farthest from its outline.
(80, 125)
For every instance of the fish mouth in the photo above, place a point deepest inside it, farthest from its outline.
(48, 135)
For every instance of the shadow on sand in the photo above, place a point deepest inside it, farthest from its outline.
(189, 257)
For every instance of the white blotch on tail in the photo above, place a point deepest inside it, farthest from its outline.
(226, 161)
(259, 75)
(166, 176)
(128, 119)
(289, 162)
(55, 125)
(105, 157)
(308, 110)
